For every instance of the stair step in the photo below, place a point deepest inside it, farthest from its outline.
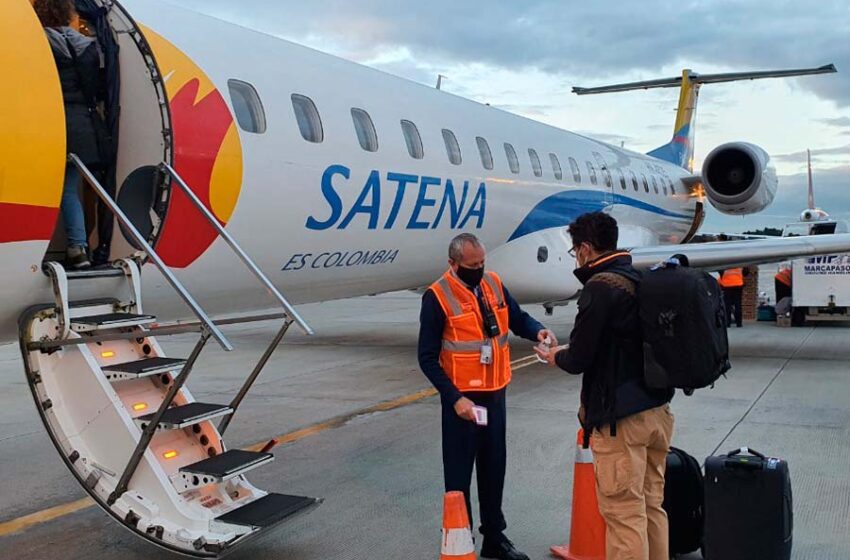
(109, 321)
(142, 368)
(220, 468)
(190, 414)
(269, 510)
(91, 273)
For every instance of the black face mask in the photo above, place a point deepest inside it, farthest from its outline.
(470, 276)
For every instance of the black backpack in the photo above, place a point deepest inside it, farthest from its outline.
(683, 501)
(683, 323)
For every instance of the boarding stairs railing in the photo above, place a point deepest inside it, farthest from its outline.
(129, 326)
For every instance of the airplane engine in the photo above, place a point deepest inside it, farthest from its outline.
(739, 178)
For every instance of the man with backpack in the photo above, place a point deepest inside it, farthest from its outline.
(628, 424)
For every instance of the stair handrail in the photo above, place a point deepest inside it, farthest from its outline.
(146, 247)
(243, 256)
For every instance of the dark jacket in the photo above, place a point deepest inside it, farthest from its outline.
(80, 89)
(606, 345)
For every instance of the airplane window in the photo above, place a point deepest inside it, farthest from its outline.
(535, 163)
(665, 190)
(592, 172)
(307, 116)
(576, 171)
(603, 166)
(365, 129)
(556, 167)
(247, 106)
(452, 147)
(607, 174)
(412, 139)
(672, 188)
(486, 154)
(654, 185)
(622, 178)
(645, 182)
(634, 179)
(513, 160)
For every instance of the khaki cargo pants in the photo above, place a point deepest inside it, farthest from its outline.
(630, 484)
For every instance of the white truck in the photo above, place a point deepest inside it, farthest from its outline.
(820, 286)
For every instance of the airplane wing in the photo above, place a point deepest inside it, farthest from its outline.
(730, 254)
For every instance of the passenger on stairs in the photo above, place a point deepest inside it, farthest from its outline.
(78, 61)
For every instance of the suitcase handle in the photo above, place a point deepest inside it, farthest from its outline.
(745, 451)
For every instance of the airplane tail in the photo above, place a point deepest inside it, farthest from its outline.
(811, 186)
(680, 150)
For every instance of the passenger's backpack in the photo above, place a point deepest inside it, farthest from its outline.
(683, 501)
(683, 322)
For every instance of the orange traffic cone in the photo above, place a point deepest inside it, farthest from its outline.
(457, 536)
(587, 528)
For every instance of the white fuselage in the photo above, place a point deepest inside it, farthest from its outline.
(297, 214)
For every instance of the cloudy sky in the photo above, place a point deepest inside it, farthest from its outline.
(526, 56)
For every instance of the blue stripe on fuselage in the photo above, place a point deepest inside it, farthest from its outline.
(562, 208)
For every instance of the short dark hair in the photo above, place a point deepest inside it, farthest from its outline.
(54, 13)
(598, 229)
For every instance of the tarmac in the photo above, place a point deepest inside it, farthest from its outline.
(362, 431)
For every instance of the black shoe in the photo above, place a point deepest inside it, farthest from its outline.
(77, 257)
(501, 549)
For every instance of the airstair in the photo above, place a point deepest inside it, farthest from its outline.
(121, 415)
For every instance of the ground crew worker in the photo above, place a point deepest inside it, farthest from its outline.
(628, 425)
(463, 350)
(732, 282)
(782, 283)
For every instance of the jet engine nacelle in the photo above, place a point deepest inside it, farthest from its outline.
(739, 178)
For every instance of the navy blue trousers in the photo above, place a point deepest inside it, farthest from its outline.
(466, 444)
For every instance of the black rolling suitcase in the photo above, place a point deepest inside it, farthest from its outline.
(748, 507)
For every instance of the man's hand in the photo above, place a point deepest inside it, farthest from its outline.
(543, 334)
(463, 407)
(549, 357)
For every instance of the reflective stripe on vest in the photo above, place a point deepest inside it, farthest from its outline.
(464, 337)
(448, 295)
(732, 278)
(497, 290)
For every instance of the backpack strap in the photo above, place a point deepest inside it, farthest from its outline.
(615, 281)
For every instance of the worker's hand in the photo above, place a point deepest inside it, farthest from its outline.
(543, 334)
(463, 407)
(549, 357)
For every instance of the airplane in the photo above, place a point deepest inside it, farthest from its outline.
(326, 180)
(812, 213)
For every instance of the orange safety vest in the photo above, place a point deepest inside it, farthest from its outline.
(784, 276)
(732, 278)
(463, 335)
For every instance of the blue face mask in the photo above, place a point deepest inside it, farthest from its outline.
(470, 276)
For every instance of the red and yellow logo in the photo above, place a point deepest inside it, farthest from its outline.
(207, 154)
(32, 138)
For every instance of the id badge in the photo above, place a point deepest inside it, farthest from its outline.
(487, 354)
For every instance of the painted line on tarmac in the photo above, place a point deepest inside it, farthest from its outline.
(21, 524)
